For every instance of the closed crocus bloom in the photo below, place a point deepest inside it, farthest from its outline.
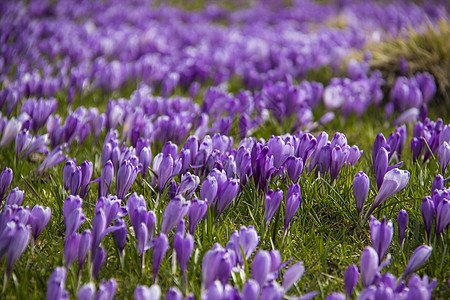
(68, 170)
(402, 139)
(250, 290)
(272, 291)
(86, 292)
(56, 285)
(145, 158)
(351, 277)
(339, 156)
(86, 171)
(75, 181)
(84, 246)
(71, 245)
(293, 199)
(427, 210)
(416, 147)
(196, 212)
(444, 155)
(12, 128)
(402, 224)
(418, 258)
(442, 216)
(438, 183)
(125, 177)
(99, 256)
(280, 150)
(175, 211)
(5, 180)
(380, 141)
(209, 189)
(381, 235)
(354, 155)
(17, 245)
(106, 290)
(273, 200)
(15, 196)
(361, 185)
(188, 184)
(70, 204)
(324, 161)
(227, 195)
(142, 238)
(165, 171)
(217, 290)
(394, 181)
(294, 167)
(292, 275)
(261, 266)
(120, 235)
(144, 293)
(380, 165)
(248, 240)
(106, 179)
(39, 218)
(160, 247)
(74, 221)
(183, 248)
(368, 265)
(23, 140)
(216, 264)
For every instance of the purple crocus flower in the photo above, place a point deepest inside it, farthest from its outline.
(209, 189)
(10, 131)
(381, 235)
(86, 173)
(126, 175)
(99, 256)
(168, 168)
(351, 277)
(293, 199)
(280, 150)
(75, 181)
(144, 293)
(71, 246)
(68, 170)
(106, 290)
(444, 155)
(15, 197)
(418, 258)
(216, 264)
(196, 212)
(272, 291)
(217, 290)
(17, 243)
(39, 218)
(86, 292)
(228, 192)
(250, 290)
(394, 181)
(294, 167)
(261, 266)
(53, 158)
(380, 165)
(402, 224)
(56, 285)
(142, 239)
(335, 296)
(273, 200)
(427, 210)
(183, 248)
(380, 142)
(84, 246)
(442, 216)
(5, 181)
(361, 184)
(120, 235)
(23, 140)
(106, 179)
(160, 247)
(416, 147)
(188, 185)
(292, 275)
(368, 265)
(246, 240)
(339, 156)
(73, 221)
(145, 158)
(175, 211)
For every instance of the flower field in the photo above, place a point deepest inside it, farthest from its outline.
(224, 150)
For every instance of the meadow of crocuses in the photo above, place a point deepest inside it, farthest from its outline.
(229, 150)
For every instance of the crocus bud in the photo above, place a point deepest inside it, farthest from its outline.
(84, 246)
(272, 291)
(416, 147)
(438, 183)
(402, 224)
(418, 258)
(196, 212)
(261, 266)
(209, 189)
(175, 211)
(442, 216)
(23, 140)
(444, 155)
(99, 256)
(39, 218)
(75, 181)
(160, 247)
(145, 158)
(15, 197)
(144, 293)
(427, 210)
(142, 238)
(294, 167)
(293, 199)
(380, 165)
(68, 170)
(71, 245)
(380, 141)
(273, 200)
(16, 246)
(351, 277)
(250, 290)
(361, 185)
(183, 248)
(120, 235)
(381, 235)
(125, 177)
(292, 275)
(368, 265)
(394, 181)
(5, 180)
(74, 221)
(188, 184)
(86, 171)
(227, 194)
(106, 179)
(56, 285)
(86, 292)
